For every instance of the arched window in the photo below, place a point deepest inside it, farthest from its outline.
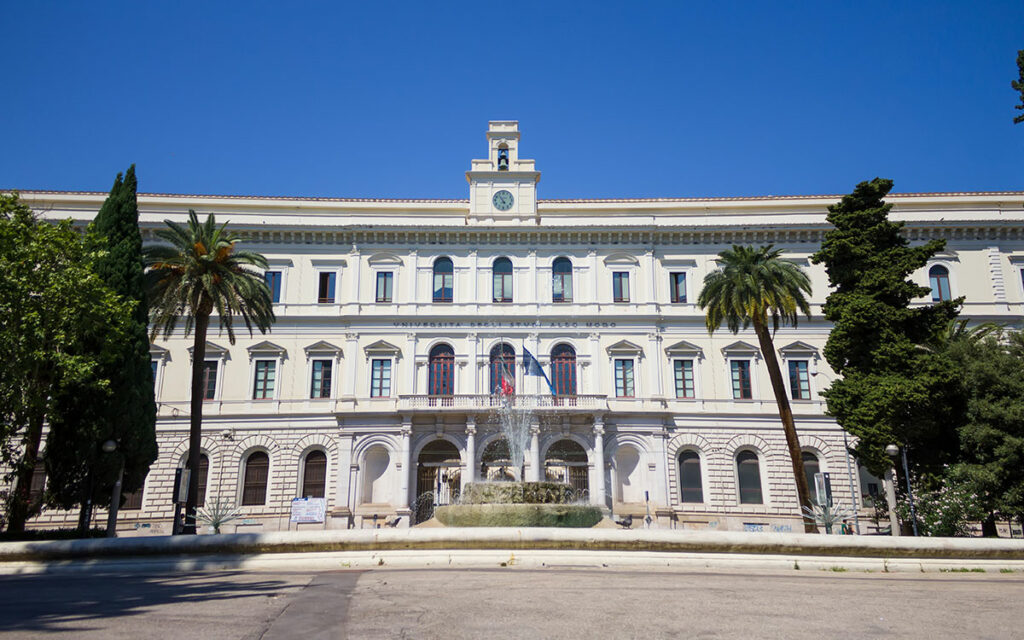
(690, 485)
(748, 475)
(314, 475)
(563, 370)
(502, 269)
(441, 378)
(503, 158)
(811, 466)
(561, 280)
(938, 276)
(503, 367)
(254, 487)
(204, 470)
(444, 279)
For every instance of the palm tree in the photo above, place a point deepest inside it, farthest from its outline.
(199, 273)
(752, 286)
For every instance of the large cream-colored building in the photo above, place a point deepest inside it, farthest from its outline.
(396, 319)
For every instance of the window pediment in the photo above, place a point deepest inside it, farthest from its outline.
(741, 348)
(323, 348)
(625, 347)
(384, 260)
(266, 348)
(381, 347)
(799, 348)
(156, 352)
(684, 348)
(621, 260)
(212, 351)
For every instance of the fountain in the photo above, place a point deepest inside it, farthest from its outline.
(517, 503)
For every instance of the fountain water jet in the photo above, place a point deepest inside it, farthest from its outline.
(517, 503)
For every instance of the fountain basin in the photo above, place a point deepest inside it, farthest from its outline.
(517, 493)
(518, 515)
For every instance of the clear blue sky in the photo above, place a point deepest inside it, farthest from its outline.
(630, 99)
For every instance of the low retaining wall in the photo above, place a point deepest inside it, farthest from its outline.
(513, 539)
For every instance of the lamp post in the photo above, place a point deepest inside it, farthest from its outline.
(890, 492)
(110, 446)
(893, 450)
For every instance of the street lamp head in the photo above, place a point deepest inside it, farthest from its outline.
(109, 446)
(892, 451)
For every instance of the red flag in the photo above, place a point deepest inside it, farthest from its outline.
(506, 387)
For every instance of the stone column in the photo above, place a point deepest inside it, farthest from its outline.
(474, 366)
(343, 495)
(534, 475)
(594, 279)
(413, 276)
(469, 475)
(356, 275)
(597, 495)
(654, 366)
(348, 383)
(474, 275)
(410, 359)
(406, 456)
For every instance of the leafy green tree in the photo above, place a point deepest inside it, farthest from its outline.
(890, 390)
(992, 436)
(198, 273)
(1018, 85)
(126, 413)
(53, 309)
(754, 286)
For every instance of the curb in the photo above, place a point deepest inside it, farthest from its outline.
(512, 539)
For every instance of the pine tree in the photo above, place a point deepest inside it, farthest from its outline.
(892, 391)
(79, 470)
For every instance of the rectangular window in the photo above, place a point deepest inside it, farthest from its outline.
(561, 287)
(677, 282)
(684, 378)
(210, 379)
(273, 279)
(741, 379)
(502, 287)
(620, 286)
(155, 365)
(263, 388)
(380, 380)
(799, 380)
(321, 385)
(325, 290)
(133, 500)
(624, 379)
(385, 284)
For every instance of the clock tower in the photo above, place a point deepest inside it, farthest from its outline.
(503, 187)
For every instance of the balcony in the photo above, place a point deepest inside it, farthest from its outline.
(485, 402)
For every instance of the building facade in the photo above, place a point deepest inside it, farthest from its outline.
(399, 320)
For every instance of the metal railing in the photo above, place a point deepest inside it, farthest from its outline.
(486, 401)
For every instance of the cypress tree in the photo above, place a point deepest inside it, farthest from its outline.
(126, 413)
(892, 391)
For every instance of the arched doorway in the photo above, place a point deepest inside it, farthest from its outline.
(566, 461)
(628, 486)
(438, 478)
(496, 462)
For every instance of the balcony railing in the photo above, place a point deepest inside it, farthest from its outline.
(487, 402)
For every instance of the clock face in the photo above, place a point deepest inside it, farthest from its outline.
(503, 200)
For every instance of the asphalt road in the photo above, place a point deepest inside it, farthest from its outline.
(513, 603)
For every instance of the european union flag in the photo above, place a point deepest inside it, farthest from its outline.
(532, 368)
